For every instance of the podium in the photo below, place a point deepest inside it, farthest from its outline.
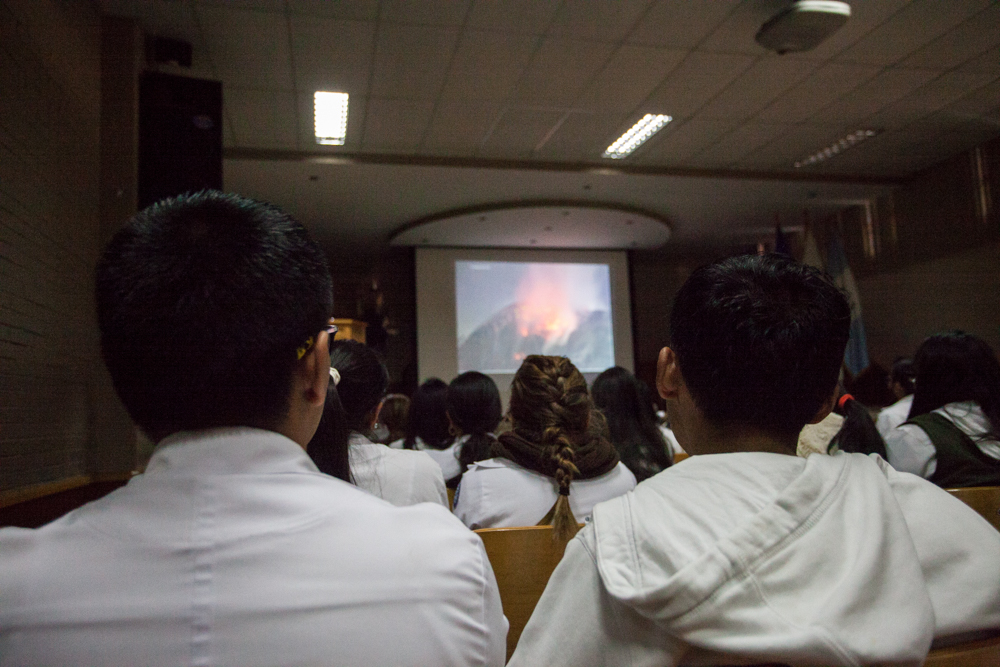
(350, 329)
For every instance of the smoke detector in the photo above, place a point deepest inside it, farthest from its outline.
(803, 25)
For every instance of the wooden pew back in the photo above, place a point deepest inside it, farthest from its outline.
(984, 499)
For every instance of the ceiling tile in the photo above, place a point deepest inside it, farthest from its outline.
(358, 10)
(865, 17)
(249, 49)
(629, 77)
(696, 80)
(487, 65)
(459, 126)
(940, 92)
(604, 20)
(990, 60)
(519, 131)
(523, 16)
(395, 126)
(914, 26)
(448, 13)
(262, 118)
(874, 95)
(340, 64)
(962, 43)
(757, 87)
(822, 87)
(680, 24)
(582, 137)
(745, 139)
(979, 106)
(675, 144)
(307, 128)
(411, 62)
(560, 69)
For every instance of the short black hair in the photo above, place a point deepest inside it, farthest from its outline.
(202, 303)
(903, 372)
(760, 340)
(428, 418)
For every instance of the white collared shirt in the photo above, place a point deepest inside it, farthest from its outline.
(401, 476)
(446, 458)
(232, 548)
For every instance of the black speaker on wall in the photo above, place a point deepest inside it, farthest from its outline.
(180, 136)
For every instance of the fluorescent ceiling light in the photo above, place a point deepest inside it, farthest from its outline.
(636, 136)
(331, 117)
(853, 139)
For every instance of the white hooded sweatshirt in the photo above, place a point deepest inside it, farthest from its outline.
(755, 558)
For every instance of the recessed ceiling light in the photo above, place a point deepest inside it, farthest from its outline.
(836, 148)
(331, 117)
(637, 135)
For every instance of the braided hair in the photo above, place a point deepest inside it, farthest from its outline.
(549, 405)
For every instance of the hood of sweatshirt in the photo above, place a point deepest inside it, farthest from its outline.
(771, 557)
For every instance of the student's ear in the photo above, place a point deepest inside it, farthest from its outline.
(313, 372)
(668, 374)
(826, 408)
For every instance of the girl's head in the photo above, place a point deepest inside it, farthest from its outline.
(474, 408)
(627, 406)
(393, 414)
(363, 382)
(428, 418)
(956, 366)
(329, 445)
(858, 432)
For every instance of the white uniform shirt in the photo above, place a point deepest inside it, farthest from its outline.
(401, 476)
(910, 449)
(894, 415)
(498, 492)
(233, 549)
(446, 458)
(758, 558)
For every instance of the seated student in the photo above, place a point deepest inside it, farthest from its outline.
(951, 436)
(401, 477)
(330, 446)
(746, 553)
(554, 466)
(392, 417)
(428, 428)
(622, 399)
(474, 411)
(232, 548)
(901, 379)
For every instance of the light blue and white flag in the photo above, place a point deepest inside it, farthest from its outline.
(856, 354)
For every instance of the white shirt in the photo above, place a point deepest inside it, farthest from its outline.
(498, 492)
(401, 476)
(766, 558)
(233, 549)
(910, 449)
(446, 458)
(893, 416)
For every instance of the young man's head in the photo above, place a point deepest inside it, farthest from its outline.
(210, 308)
(758, 342)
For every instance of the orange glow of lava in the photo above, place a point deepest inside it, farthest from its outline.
(543, 308)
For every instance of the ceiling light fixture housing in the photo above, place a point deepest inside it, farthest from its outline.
(330, 117)
(803, 25)
(636, 135)
(838, 147)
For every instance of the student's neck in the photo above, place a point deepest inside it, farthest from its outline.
(715, 439)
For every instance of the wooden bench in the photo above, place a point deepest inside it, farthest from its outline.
(984, 499)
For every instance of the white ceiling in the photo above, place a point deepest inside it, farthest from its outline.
(463, 103)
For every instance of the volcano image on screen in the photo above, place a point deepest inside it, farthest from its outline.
(508, 310)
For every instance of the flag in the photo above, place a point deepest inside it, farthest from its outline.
(856, 354)
(810, 252)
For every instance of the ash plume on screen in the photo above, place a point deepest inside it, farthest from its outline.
(508, 310)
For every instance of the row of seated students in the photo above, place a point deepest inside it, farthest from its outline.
(234, 548)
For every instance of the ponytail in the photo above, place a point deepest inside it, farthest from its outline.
(329, 445)
(857, 433)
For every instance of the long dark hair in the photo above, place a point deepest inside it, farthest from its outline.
(363, 381)
(329, 446)
(858, 432)
(628, 409)
(474, 406)
(428, 418)
(956, 366)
